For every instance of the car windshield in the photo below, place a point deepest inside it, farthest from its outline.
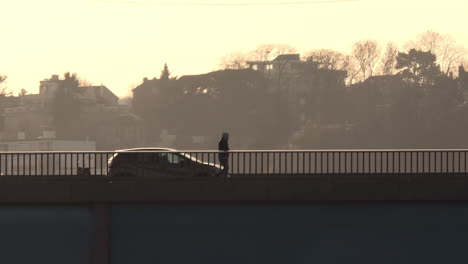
(194, 158)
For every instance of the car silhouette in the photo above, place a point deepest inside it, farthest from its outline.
(159, 162)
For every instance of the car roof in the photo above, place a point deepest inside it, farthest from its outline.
(145, 149)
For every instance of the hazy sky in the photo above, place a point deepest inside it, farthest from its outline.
(117, 44)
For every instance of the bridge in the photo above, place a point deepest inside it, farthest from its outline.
(152, 176)
(156, 190)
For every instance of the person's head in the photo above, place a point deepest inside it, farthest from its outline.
(225, 135)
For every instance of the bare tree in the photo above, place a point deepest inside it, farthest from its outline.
(352, 69)
(234, 61)
(85, 82)
(464, 63)
(449, 54)
(328, 59)
(430, 41)
(4, 89)
(268, 52)
(333, 60)
(389, 59)
(366, 53)
(262, 53)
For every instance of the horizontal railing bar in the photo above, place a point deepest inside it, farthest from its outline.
(236, 151)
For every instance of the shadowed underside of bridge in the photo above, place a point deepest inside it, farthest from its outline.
(332, 187)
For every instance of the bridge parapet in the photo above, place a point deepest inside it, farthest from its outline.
(83, 177)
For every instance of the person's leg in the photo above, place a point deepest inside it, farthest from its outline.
(224, 163)
(226, 167)
(221, 163)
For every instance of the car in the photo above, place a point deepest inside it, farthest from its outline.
(159, 162)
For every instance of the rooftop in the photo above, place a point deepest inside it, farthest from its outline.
(288, 57)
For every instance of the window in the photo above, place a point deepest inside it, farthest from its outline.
(171, 158)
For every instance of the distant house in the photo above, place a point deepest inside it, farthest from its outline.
(305, 88)
(154, 92)
(97, 95)
(282, 63)
(143, 95)
(32, 115)
(48, 89)
(290, 74)
(7, 102)
(89, 94)
(29, 120)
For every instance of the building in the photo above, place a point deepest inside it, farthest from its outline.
(34, 112)
(96, 95)
(286, 63)
(190, 111)
(29, 121)
(99, 115)
(89, 94)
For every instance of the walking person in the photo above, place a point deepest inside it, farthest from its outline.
(223, 156)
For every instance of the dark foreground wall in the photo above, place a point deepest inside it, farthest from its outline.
(247, 221)
(378, 232)
(315, 233)
(46, 234)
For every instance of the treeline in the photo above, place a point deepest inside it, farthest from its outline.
(366, 58)
(419, 107)
(391, 97)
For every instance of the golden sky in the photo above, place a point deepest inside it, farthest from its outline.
(117, 44)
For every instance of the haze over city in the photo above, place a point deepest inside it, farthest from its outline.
(233, 131)
(118, 44)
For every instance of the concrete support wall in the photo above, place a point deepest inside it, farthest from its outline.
(326, 188)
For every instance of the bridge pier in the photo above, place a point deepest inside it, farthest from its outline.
(100, 246)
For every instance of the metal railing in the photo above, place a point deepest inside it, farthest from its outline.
(54, 163)
(269, 162)
(377, 162)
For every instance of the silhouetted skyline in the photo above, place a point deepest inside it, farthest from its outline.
(119, 44)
